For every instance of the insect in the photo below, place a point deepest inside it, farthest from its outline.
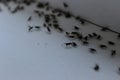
(65, 5)
(86, 38)
(55, 26)
(44, 25)
(90, 35)
(71, 36)
(119, 70)
(99, 37)
(111, 43)
(30, 18)
(92, 50)
(49, 30)
(113, 53)
(85, 42)
(80, 37)
(30, 28)
(60, 29)
(75, 33)
(73, 44)
(96, 68)
(103, 46)
(40, 5)
(76, 28)
(118, 36)
(67, 33)
(94, 34)
(105, 29)
(37, 27)
(68, 15)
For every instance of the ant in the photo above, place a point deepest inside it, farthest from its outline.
(30, 18)
(111, 43)
(49, 30)
(76, 28)
(90, 35)
(65, 5)
(40, 5)
(118, 36)
(96, 68)
(94, 34)
(60, 29)
(85, 42)
(30, 28)
(82, 21)
(113, 53)
(103, 46)
(86, 38)
(37, 27)
(67, 33)
(105, 29)
(73, 44)
(92, 50)
(99, 37)
(71, 36)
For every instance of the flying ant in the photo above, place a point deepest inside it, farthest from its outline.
(30, 18)
(65, 5)
(96, 68)
(103, 46)
(30, 28)
(92, 50)
(111, 43)
(113, 52)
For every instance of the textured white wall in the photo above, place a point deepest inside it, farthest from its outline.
(104, 12)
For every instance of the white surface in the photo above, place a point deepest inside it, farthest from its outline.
(42, 56)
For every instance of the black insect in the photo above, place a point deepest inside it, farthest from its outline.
(44, 25)
(96, 68)
(40, 5)
(30, 28)
(94, 34)
(71, 36)
(55, 25)
(82, 21)
(105, 29)
(73, 44)
(76, 28)
(75, 33)
(103, 46)
(49, 30)
(30, 18)
(60, 29)
(92, 50)
(59, 14)
(68, 15)
(36, 11)
(119, 70)
(118, 36)
(65, 5)
(99, 37)
(68, 44)
(113, 53)
(111, 43)
(86, 38)
(91, 36)
(49, 24)
(85, 43)
(67, 33)
(80, 37)
(37, 27)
